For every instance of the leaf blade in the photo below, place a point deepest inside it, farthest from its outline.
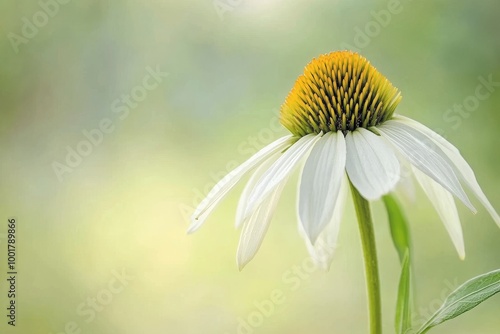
(398, 226)
(403, 304)
(400, 237)
(464, 298)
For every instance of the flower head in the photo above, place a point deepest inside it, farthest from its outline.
(341, 116)
(339, 91)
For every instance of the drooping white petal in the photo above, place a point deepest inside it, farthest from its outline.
(255, 227)
(278, 171)
(424, 154)
(405, 186)
(445, 206)
(323, 249)
(320, 183)
(371, 164)
(223, 186)
(460, 164)
(425, 130)
(243, 201)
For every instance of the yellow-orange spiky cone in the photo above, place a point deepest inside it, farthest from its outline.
(339, 91)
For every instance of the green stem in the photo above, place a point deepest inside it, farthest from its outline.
(370, 256)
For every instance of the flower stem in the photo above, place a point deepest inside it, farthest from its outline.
(370, 256)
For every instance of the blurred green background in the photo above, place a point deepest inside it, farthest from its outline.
(121, 211)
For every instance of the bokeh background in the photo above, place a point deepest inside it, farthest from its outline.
(122, 211)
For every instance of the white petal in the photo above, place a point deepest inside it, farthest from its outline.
(425, 130)
(460, 164)
(223, 186)
(445, 206)
(320, 183)
(278, 171)
(255, 227)
(323, 249)
(425, 155)
(243, 201)
(405, 187)
(371, 164)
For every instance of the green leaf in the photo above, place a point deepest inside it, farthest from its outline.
(464, 298)
(403, 304)
(398, 226)
(400, 237)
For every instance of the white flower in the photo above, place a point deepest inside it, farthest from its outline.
(341, 115)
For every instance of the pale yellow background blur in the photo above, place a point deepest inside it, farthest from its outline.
(121, 210)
